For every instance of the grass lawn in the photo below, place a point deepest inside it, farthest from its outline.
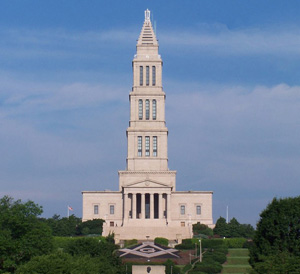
(237, 261)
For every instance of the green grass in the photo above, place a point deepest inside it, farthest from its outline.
(237, 261)
(234, 252)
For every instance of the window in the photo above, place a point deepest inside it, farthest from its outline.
(147, 109)
(198, 210)
(182, 223)
(141, 76)
(96, 209)
(154, 146)
(140, 146)
(112, 224)
(140, 109)
(154, 109)
(182, 210)
(153, 76)
(147, 146)
(147, 75)
(111, 209)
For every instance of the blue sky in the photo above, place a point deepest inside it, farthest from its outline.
(232, 79)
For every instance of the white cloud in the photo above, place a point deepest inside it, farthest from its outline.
(215, 38)
(233, 137)
(220, 40)
(61, 44)
(238, 136)
(20, 96)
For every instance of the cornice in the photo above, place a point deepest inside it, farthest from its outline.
(147, 172)
(102, 191)
(143, 93)
(139, 129)
(192, 192)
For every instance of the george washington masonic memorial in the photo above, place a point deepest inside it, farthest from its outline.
(147, 204)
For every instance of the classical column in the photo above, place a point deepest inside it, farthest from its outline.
(151, 206)
(125, 206)
(142, 205)
(168, 207)
(133, 205)
(160, 206)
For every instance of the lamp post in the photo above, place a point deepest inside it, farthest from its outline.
(200, 251)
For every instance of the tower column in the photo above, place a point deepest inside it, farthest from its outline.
(151, 206)
(142, 205)
(168, 207)
(133, 206)
(160, 206)
(125, 201)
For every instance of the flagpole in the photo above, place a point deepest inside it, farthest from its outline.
(227, 215)
(68, 212)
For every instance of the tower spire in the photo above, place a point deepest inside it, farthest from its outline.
(147, 36)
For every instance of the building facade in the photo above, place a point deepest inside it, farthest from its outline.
(147, 204)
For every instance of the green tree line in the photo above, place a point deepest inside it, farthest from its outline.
(27, 243)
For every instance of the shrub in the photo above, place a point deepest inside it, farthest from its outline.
(130, 242)
(213, 243)
(170, 267)
(235, 242)
(248, 244)
(186, 244)
(219, 257)
(208, 266)
(161, 241)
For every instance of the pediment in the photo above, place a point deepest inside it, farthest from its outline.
(148, 183)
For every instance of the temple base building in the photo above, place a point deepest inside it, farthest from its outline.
(147, 204)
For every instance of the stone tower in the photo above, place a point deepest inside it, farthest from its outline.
(147, 204)
(147, 183)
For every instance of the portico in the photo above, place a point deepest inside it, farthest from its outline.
(146, 204)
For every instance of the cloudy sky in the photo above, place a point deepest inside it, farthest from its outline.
(232, 79)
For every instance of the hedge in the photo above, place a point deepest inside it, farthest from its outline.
(212, 243)
(161, 241)
(235, 242)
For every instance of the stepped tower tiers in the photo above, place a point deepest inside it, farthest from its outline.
(147, 204)
(147, 133)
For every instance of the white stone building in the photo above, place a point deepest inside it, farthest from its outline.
(147, 204)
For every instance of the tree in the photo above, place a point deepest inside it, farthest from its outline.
(22, 235)
(221, 227)
(61, 262)
(277, 237)
(73, 226)
(233, 229)
(64, 226)
(202, 229)
(91, 227)
(83, 255)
